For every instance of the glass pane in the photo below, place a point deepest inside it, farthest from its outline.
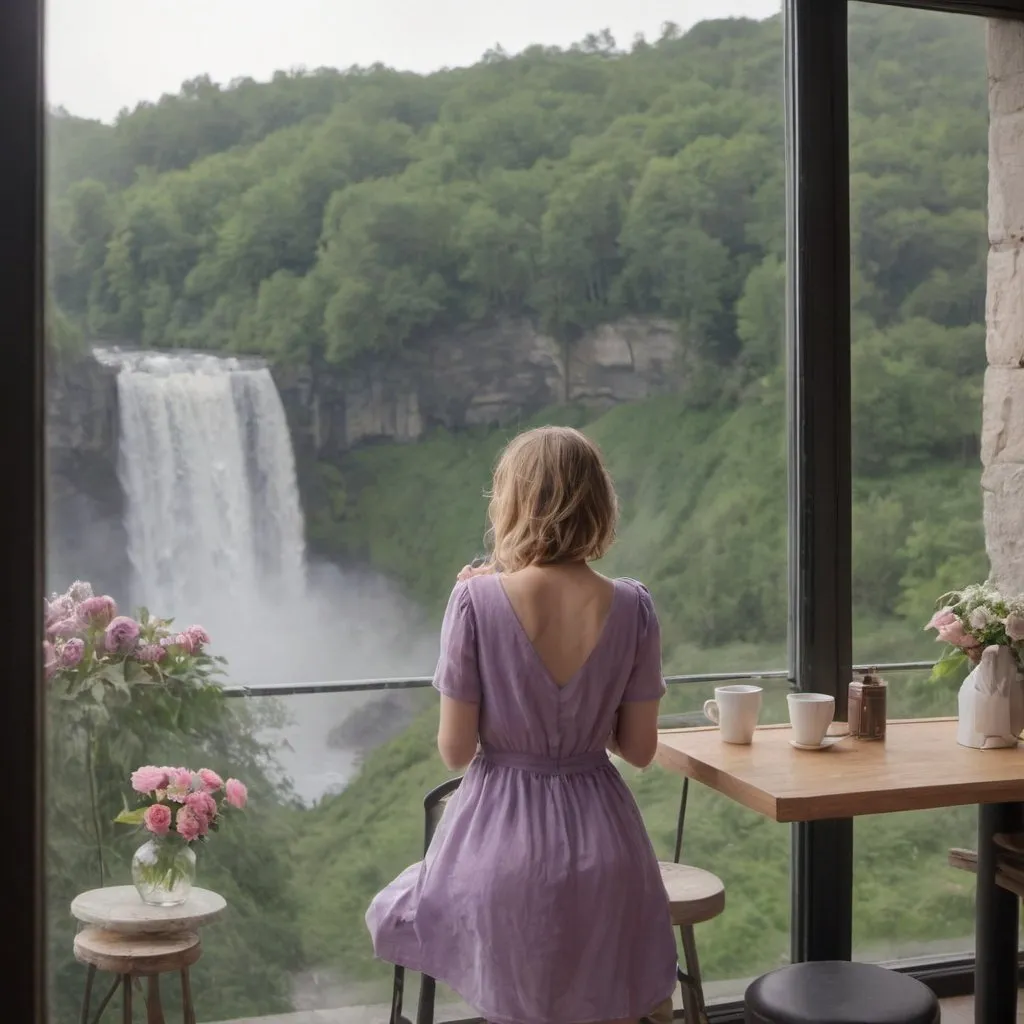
(919, 122)
(293, 319)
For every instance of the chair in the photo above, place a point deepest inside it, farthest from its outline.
(839, 992)
(433, 808)
(694, 896)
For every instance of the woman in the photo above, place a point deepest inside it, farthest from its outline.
(540, 901)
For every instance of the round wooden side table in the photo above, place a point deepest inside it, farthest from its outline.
(130, 939)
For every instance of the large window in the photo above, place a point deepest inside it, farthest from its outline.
(919, 177)
(300, 287)
(293, 321)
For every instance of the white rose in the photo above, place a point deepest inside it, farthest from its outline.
(979, 618)
(1015, 626)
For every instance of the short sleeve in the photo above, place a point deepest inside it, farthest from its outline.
(458, 674)
(646, 681)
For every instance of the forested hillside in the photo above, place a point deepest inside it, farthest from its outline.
(331, 218)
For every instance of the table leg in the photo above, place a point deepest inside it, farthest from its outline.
(996, 923)
(188, 1010)
(154, 1009)
(126, 1005)
(90, 977)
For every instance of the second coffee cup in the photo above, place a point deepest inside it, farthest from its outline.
(735, 710)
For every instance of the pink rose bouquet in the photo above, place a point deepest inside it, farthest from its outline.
(974, 618)
(178, 803)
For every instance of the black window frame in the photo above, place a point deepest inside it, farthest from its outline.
(818, 352)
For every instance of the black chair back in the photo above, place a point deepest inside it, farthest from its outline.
(434, 804)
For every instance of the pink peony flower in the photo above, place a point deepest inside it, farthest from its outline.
(122, 634)
(203, 804)
(210, 779)
(98, 611)
(149, 779)
(179, 784)
(151, 653)
(943, 617)
(189, 825)
(49, 660)
(72, 652)
(236, 793)
(158, 819)
(1015, 626)
(199, 637)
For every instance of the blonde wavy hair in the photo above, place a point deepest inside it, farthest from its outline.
(552, 501)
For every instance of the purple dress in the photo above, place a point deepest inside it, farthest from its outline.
(540, 900)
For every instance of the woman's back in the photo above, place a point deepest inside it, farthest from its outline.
(558, 654)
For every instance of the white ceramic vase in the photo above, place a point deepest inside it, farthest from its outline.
(992, 702)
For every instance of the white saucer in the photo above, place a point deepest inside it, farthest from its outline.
(828, 741)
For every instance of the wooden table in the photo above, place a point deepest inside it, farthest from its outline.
(919, 766)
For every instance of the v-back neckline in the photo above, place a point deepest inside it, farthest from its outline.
(521, 629)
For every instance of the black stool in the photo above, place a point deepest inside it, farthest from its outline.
(839, 992)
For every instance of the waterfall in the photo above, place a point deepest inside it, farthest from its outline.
(208, 473)
(215, 537)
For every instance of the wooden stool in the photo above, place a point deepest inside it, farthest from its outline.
(694, 896)
(137, 956)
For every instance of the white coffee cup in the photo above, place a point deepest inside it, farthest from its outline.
(735, 710)
(811, 714)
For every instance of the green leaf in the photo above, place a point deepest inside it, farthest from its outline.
(98, 691)
(952, 659)
(135, 817)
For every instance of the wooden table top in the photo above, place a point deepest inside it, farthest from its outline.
(918, 766)
(119, 908)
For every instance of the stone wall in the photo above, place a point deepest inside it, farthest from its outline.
(1003, 421)
(473, 377)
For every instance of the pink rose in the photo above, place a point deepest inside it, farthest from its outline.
(98, 611)
(943, 617)
(210, 779)
(179, 784)
(235, 793)
(189, 825)
(199, 637)
(953, 632)
(1015, 626)
(72, 652)
(121, 634)
(65, 628)
(151, 653)
(203, 804)
(149, 778)
(158, 819)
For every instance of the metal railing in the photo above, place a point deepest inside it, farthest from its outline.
(423, 682)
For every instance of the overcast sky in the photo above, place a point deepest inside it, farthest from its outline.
(103, 55)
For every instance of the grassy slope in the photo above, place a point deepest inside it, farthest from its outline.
(706, 514)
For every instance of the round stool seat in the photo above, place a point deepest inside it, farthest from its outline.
(839, 993)
(136, 954)
(694, 895)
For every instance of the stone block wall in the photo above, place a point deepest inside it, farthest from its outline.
(1002, 448)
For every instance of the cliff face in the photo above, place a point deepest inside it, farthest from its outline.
(478, 377)
(85, 504)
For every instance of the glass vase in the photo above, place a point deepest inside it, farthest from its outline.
(164, 871)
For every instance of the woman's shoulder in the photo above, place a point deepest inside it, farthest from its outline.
(644, 602)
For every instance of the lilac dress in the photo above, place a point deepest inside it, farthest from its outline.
(540, 900)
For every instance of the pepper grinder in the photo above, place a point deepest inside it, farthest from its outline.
(866, 708)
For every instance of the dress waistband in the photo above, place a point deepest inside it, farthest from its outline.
(541, 765)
